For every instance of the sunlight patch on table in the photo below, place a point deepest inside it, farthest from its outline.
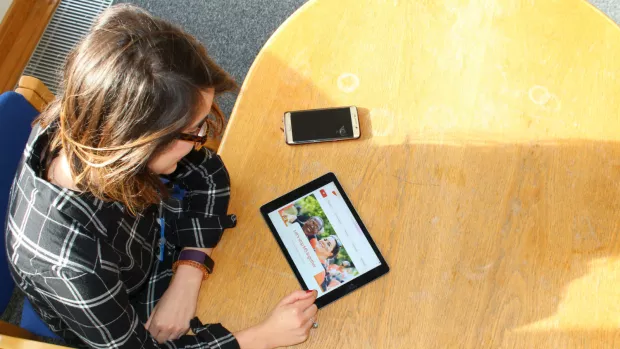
(588, 303)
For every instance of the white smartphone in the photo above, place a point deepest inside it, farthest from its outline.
(321, 125)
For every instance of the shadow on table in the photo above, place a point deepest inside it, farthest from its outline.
(491, 239)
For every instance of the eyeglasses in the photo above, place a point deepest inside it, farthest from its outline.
(202, 137)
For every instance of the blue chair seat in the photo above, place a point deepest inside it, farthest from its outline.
(33, 323)
(16, 117)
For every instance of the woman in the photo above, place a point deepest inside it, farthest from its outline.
(88, 205)
(325, 249)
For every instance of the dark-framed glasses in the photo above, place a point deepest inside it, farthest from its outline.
(201, 137)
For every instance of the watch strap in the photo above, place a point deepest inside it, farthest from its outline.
(198, 256)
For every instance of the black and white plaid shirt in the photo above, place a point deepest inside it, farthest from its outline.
(91, 269)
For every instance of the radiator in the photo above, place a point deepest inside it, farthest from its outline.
(69, 24)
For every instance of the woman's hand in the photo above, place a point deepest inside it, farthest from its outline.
(171, 316)
(289, 323)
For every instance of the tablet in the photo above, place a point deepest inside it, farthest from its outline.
(324, 240)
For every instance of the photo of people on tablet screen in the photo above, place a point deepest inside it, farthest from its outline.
(324, 240)
(326, 244)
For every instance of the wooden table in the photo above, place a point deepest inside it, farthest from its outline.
(488, 171)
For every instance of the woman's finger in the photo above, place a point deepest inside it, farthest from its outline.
(308, 324)
(162, 336)
(180, 333)
(305, 303)
(174, 336)
(295, 296)
(148, 322)
(154, 332)
(311, 311)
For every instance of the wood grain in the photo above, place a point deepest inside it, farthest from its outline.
(487, 172)
(20, 31)
(35, 92)
(15, 331)
(36, 85)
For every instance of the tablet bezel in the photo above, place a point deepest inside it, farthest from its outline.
(308, 188)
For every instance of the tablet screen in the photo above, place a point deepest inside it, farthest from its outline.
(323, 239)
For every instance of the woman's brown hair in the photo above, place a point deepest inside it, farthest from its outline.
(128, 89)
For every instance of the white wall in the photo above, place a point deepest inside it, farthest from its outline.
(4, 5)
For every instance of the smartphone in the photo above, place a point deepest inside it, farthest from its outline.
(321, 125)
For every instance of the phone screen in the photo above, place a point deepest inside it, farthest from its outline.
(309, 125)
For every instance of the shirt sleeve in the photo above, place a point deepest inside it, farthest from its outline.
(96, 308)
(204, 177)
(200, 218)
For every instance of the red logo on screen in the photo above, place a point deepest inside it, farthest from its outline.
(323, 193)
(333, 192)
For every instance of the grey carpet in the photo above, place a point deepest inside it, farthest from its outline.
(609, 7)
(233, 32)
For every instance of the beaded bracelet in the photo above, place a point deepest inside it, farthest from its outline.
(194, 264)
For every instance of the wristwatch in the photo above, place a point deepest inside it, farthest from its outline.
(199, 257)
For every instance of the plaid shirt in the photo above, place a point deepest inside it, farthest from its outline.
(86, 264)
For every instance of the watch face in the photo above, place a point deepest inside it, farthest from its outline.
(209, 263)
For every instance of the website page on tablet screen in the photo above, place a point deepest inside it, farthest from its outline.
(322, 237)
